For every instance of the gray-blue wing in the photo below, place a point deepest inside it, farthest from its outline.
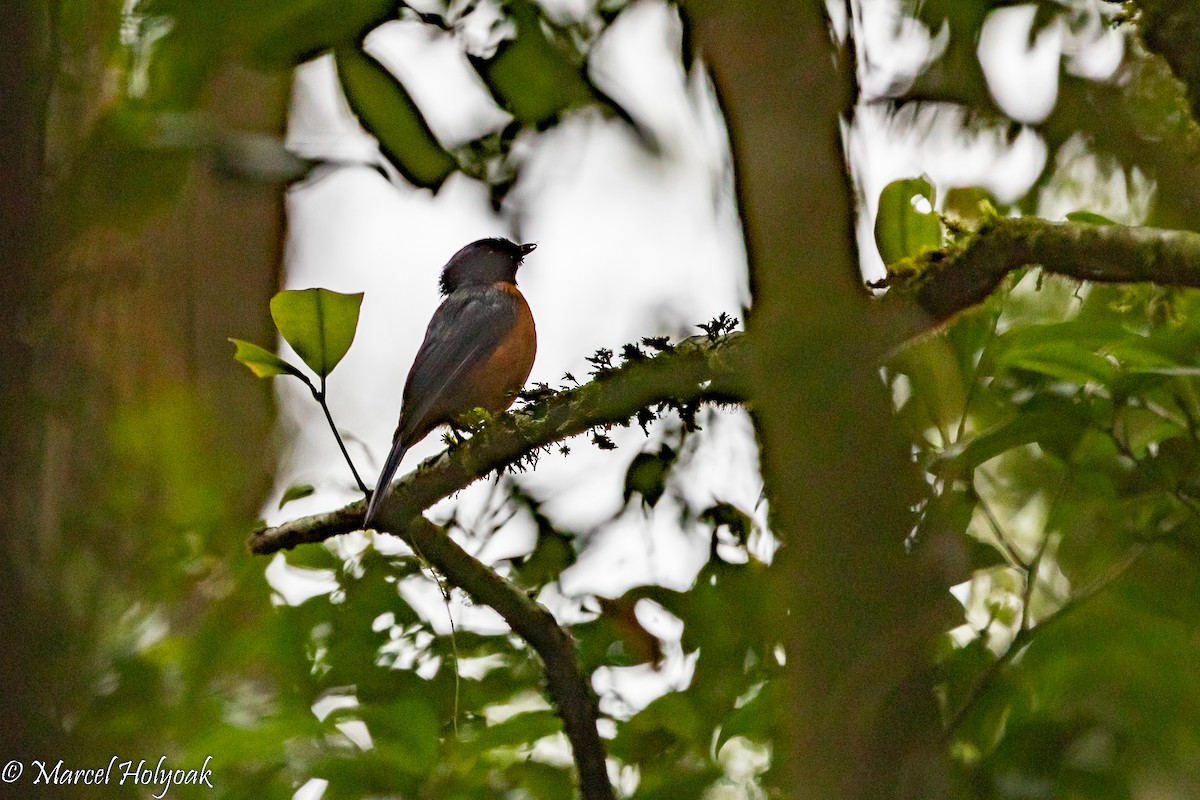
(463, 334)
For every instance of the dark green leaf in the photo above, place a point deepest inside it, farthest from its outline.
(1058, 423)
(531, 76)
(554, 552)
(937, 383)
(295, 492)
(410, 724)
(292, 32)
(669, 719)
(520, 730)
(901, 230)
(318, 324)
(730, 517)
(969, 202)
(647, 475)
(1089, 217)
(673, 783)
(755, 718)
(386, 109)
(1074, 352)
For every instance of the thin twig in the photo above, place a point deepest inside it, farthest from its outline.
(319, 396)
(1026, 635)
(568, 688)
(1009, 549)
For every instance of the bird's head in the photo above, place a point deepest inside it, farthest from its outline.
(483, 263)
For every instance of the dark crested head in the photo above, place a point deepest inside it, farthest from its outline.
(484, 262)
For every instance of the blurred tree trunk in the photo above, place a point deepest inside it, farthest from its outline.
(862, 614)
(23, 92)
(102, 316)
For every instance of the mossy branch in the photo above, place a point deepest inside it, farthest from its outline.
(962, 275)
(702, 369)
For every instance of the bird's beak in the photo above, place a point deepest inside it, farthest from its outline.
(526, 249)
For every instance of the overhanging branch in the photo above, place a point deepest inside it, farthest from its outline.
(955, 278)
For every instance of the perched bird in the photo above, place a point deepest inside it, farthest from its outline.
(478, 349)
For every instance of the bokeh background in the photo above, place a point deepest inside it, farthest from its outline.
(782, 606)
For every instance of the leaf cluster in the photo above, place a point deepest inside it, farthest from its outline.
(1066, 453)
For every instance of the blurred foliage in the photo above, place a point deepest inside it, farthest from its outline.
(1057, 426)
(905, 223)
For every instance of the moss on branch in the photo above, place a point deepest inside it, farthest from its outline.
(700, 369)
(957, 277)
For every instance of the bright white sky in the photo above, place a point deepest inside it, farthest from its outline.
(629, 245)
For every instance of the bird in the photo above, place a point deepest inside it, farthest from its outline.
(478, 350)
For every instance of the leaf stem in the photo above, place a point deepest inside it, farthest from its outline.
(319, 396)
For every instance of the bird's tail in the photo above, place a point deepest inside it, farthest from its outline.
(385, 481)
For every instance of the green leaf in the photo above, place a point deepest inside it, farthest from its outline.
(553, 553)
(938, 385)
(666, 721)
(901, 230)
(295, 492)
(520, 730)
(1089, 217)
(531, 76)
(410, 724)
(387, 110)
(288, 33)
(647, 475)
(755, 719)
(971, 203)
(263, 362)
(726, 515)
(1073, 352)
(318, 324)
(1058, 424)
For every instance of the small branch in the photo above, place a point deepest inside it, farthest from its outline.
(698, 369)
(962, 275)
(533, 623)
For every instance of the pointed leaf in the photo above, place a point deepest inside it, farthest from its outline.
(903, 230)
(552, 554)
(318, 324)
(386, 109)
(262, 362)
(1089, 217)
(295, 492)
(971, 203)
